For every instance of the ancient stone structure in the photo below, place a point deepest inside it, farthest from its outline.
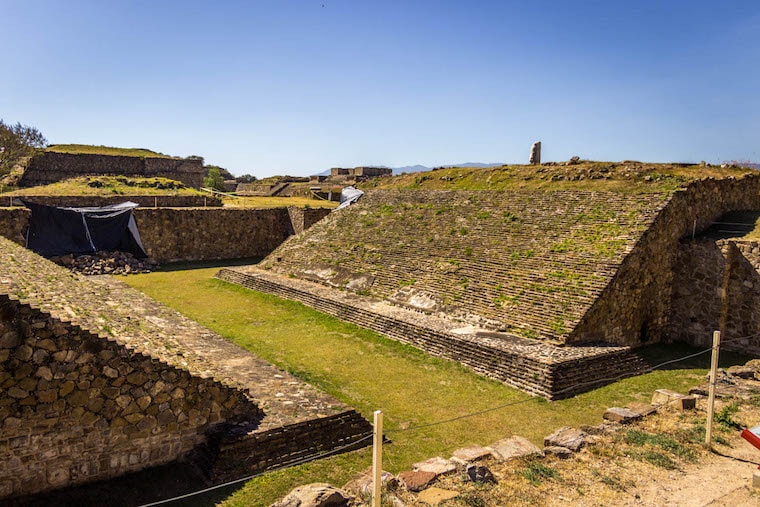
(358, 172)
(187, 234)
(147, 201)
(50, 167)
(519, 285)
(717, 287)
(97, 380)
(535, 153)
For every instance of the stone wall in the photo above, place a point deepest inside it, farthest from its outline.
(543, 370)
(635, 308)
(147, 201)
(77, 408)
(303, 218)
(191, 234)
(50, 167)
(717, 288)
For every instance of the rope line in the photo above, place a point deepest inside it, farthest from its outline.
(607, 380)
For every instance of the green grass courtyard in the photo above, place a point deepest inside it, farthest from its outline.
(370, 372)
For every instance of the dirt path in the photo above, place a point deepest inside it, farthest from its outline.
(719, 481)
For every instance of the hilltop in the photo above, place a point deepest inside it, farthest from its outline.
(105, 150)
(627, 177)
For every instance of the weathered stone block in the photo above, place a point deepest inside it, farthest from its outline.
(570, 438)
(514, 447)
(621, 415)
(416, 481)
(471, 453)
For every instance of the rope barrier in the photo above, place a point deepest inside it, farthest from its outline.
(446, 421)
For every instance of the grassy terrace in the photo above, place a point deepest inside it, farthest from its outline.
(276, 202)
(370, 372)
(105, 150)
(626, 177)
(107, 186)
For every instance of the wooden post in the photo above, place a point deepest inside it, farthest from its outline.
(155, 202)
(711, 394)
(377, 458)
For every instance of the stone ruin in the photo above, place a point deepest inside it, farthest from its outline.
(98, 381)
(548, 291)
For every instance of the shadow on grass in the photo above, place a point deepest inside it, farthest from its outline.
(224, 263)
(661, 353)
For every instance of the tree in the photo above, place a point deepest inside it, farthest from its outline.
(246, 178)
(17, 142)
(214, 179)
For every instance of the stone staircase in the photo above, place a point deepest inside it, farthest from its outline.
(529, 263)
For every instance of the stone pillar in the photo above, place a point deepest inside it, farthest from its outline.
(535, 154)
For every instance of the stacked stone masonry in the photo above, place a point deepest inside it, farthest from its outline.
(191, 234)
(98, 380)
(564, 266)
(50, 167)
(717, 287)
(530, 365)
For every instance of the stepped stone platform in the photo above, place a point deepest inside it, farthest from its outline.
(534, 366)
(530, 263)
(83, 337)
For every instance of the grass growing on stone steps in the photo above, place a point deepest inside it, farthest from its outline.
(276, 202)
(105, 150)
(370, 372)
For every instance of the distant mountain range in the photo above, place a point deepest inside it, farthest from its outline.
(421, 168)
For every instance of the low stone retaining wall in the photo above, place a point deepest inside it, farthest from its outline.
(287, 445)
(552, 379)
(147, 201)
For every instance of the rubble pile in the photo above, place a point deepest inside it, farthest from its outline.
(106, 263)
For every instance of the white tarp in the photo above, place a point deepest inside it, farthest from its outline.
(348, 196)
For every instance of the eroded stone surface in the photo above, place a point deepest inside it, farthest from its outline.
(621, 415)
(437, 465)
(471, 453)
(315, 495)
(416, 481)
(514, 447)
(567, 437)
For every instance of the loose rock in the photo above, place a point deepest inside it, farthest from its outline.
(416, 481)
(479, 473)
(314, 495)
(567, 437)
(106, 263)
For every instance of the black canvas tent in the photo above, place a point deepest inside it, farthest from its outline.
(60, 231)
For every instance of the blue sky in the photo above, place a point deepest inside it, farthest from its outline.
(296, 87)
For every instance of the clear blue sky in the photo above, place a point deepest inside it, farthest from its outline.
(274, 87)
